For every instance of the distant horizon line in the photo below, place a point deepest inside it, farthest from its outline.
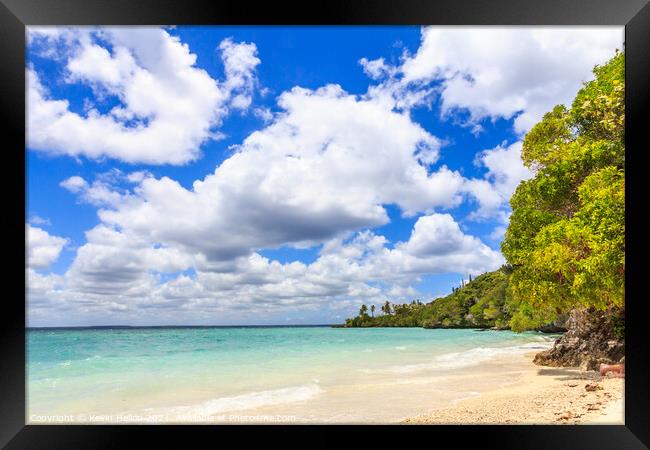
(118, 327)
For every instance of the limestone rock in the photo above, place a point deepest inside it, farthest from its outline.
(591, 339)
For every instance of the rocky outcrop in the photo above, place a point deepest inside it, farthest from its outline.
(593, 337)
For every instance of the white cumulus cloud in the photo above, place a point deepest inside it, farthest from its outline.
(501, 71)
(168, 106)
(42, 248)
(116, 273)
(505, 170)
(326, 166)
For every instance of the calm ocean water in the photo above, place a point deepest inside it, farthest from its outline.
(212, 371)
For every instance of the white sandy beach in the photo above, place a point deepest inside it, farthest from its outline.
(543, 395)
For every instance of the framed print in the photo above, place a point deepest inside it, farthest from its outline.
(240, 218)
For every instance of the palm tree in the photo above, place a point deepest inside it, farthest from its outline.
(386, 308)
(372, 310)
(363, 310)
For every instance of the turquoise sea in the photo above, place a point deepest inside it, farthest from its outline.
(297, 374)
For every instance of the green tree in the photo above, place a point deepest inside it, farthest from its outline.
(363, 311)
(566, 236)
(372, 310)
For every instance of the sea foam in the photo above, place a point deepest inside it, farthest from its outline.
(467, 358)
(250, 400)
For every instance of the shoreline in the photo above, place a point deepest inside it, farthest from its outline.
(543, 395)
(346, 378)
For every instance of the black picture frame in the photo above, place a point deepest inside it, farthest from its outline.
(16, 14)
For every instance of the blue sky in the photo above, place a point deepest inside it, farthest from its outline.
(335, 165)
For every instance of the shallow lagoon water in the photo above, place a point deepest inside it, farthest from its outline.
(295, 374)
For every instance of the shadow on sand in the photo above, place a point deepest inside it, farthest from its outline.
(570, 373)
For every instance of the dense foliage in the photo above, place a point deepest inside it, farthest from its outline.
(566, 236)
(565, 242)
(481, 303)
